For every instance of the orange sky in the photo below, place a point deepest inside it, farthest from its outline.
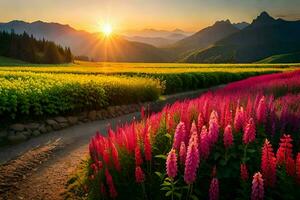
(190, 15)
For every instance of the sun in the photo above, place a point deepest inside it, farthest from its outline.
(107, 29)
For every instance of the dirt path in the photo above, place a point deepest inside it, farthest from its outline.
(39, 168)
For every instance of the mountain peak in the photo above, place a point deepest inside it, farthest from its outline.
(223, 22)
(263, 19)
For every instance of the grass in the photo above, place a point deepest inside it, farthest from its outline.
(4, 61)
(282, 58)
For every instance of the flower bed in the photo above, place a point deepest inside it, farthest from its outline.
(240, 142)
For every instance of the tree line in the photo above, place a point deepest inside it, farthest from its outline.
(25, 47)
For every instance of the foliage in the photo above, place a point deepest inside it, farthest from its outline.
(31, 94)
(254, 111)
(27, 48)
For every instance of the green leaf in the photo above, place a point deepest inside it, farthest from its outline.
(161, 156)
(194, 197)
(168, 193)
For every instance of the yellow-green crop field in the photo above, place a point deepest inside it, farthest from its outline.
(35, 90)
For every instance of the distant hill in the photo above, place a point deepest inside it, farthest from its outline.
(263, 38)
(93, 45)
(241, 25)
(157, 38)
(282, 58)
(5, 61)
(203, 38)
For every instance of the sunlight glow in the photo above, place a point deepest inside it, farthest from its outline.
(107, 29)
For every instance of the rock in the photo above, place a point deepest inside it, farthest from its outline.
(32, 126)
(17, 127)
(51, 122)
(72, 120)
(92, 115)
(26, 133)
(49, 128)
(43, 129)
(61, 120)
(54, 124)
(16, 138)
(63, 125)
(99, 114)
(82, 116)
(36, 133)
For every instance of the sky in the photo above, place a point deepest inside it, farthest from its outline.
(189, 15)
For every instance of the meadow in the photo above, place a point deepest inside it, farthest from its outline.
(41, 90)
(238, 142)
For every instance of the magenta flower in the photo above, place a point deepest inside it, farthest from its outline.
(257, 187)
(214, 189)
(239, 119)
(204, 143)
(213, 131)
(192, 161)
(180, 134)
(244, 172)
(261, 112)
(182, 153)
(250, 132)
(171, 164)
(268, 164)
(228, 137)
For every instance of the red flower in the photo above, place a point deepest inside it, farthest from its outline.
(244, 172)
(298, 168)
(139, 175)
(200, 121)
(171, 164)
(138, 156)
(228, 137)
(115, 156)
(214, 189)
(147, 143)
(285, 149)
(257, 187)
(268, 164)
(109, 181)
(250, 132)
(290, 166)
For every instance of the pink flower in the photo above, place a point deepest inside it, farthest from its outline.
(138, 156)
(171, 164)
(257, 187)
(213, 131)
(261, 112)
(139, 175)
(204, 143)
(228, 137)
(268, 164)
(250, 132)
(239, 119)
(182, 153)
(192, 161)
(200, 121)
(180, 134)
(214, 189)
(244, 172)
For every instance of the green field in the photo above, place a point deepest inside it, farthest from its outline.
(37, 90)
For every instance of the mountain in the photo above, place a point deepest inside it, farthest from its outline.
(203, 38)
(241, 25)
(94, 45)
(154, 33)
(282, 58)
(263, 38)
(157, 38)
